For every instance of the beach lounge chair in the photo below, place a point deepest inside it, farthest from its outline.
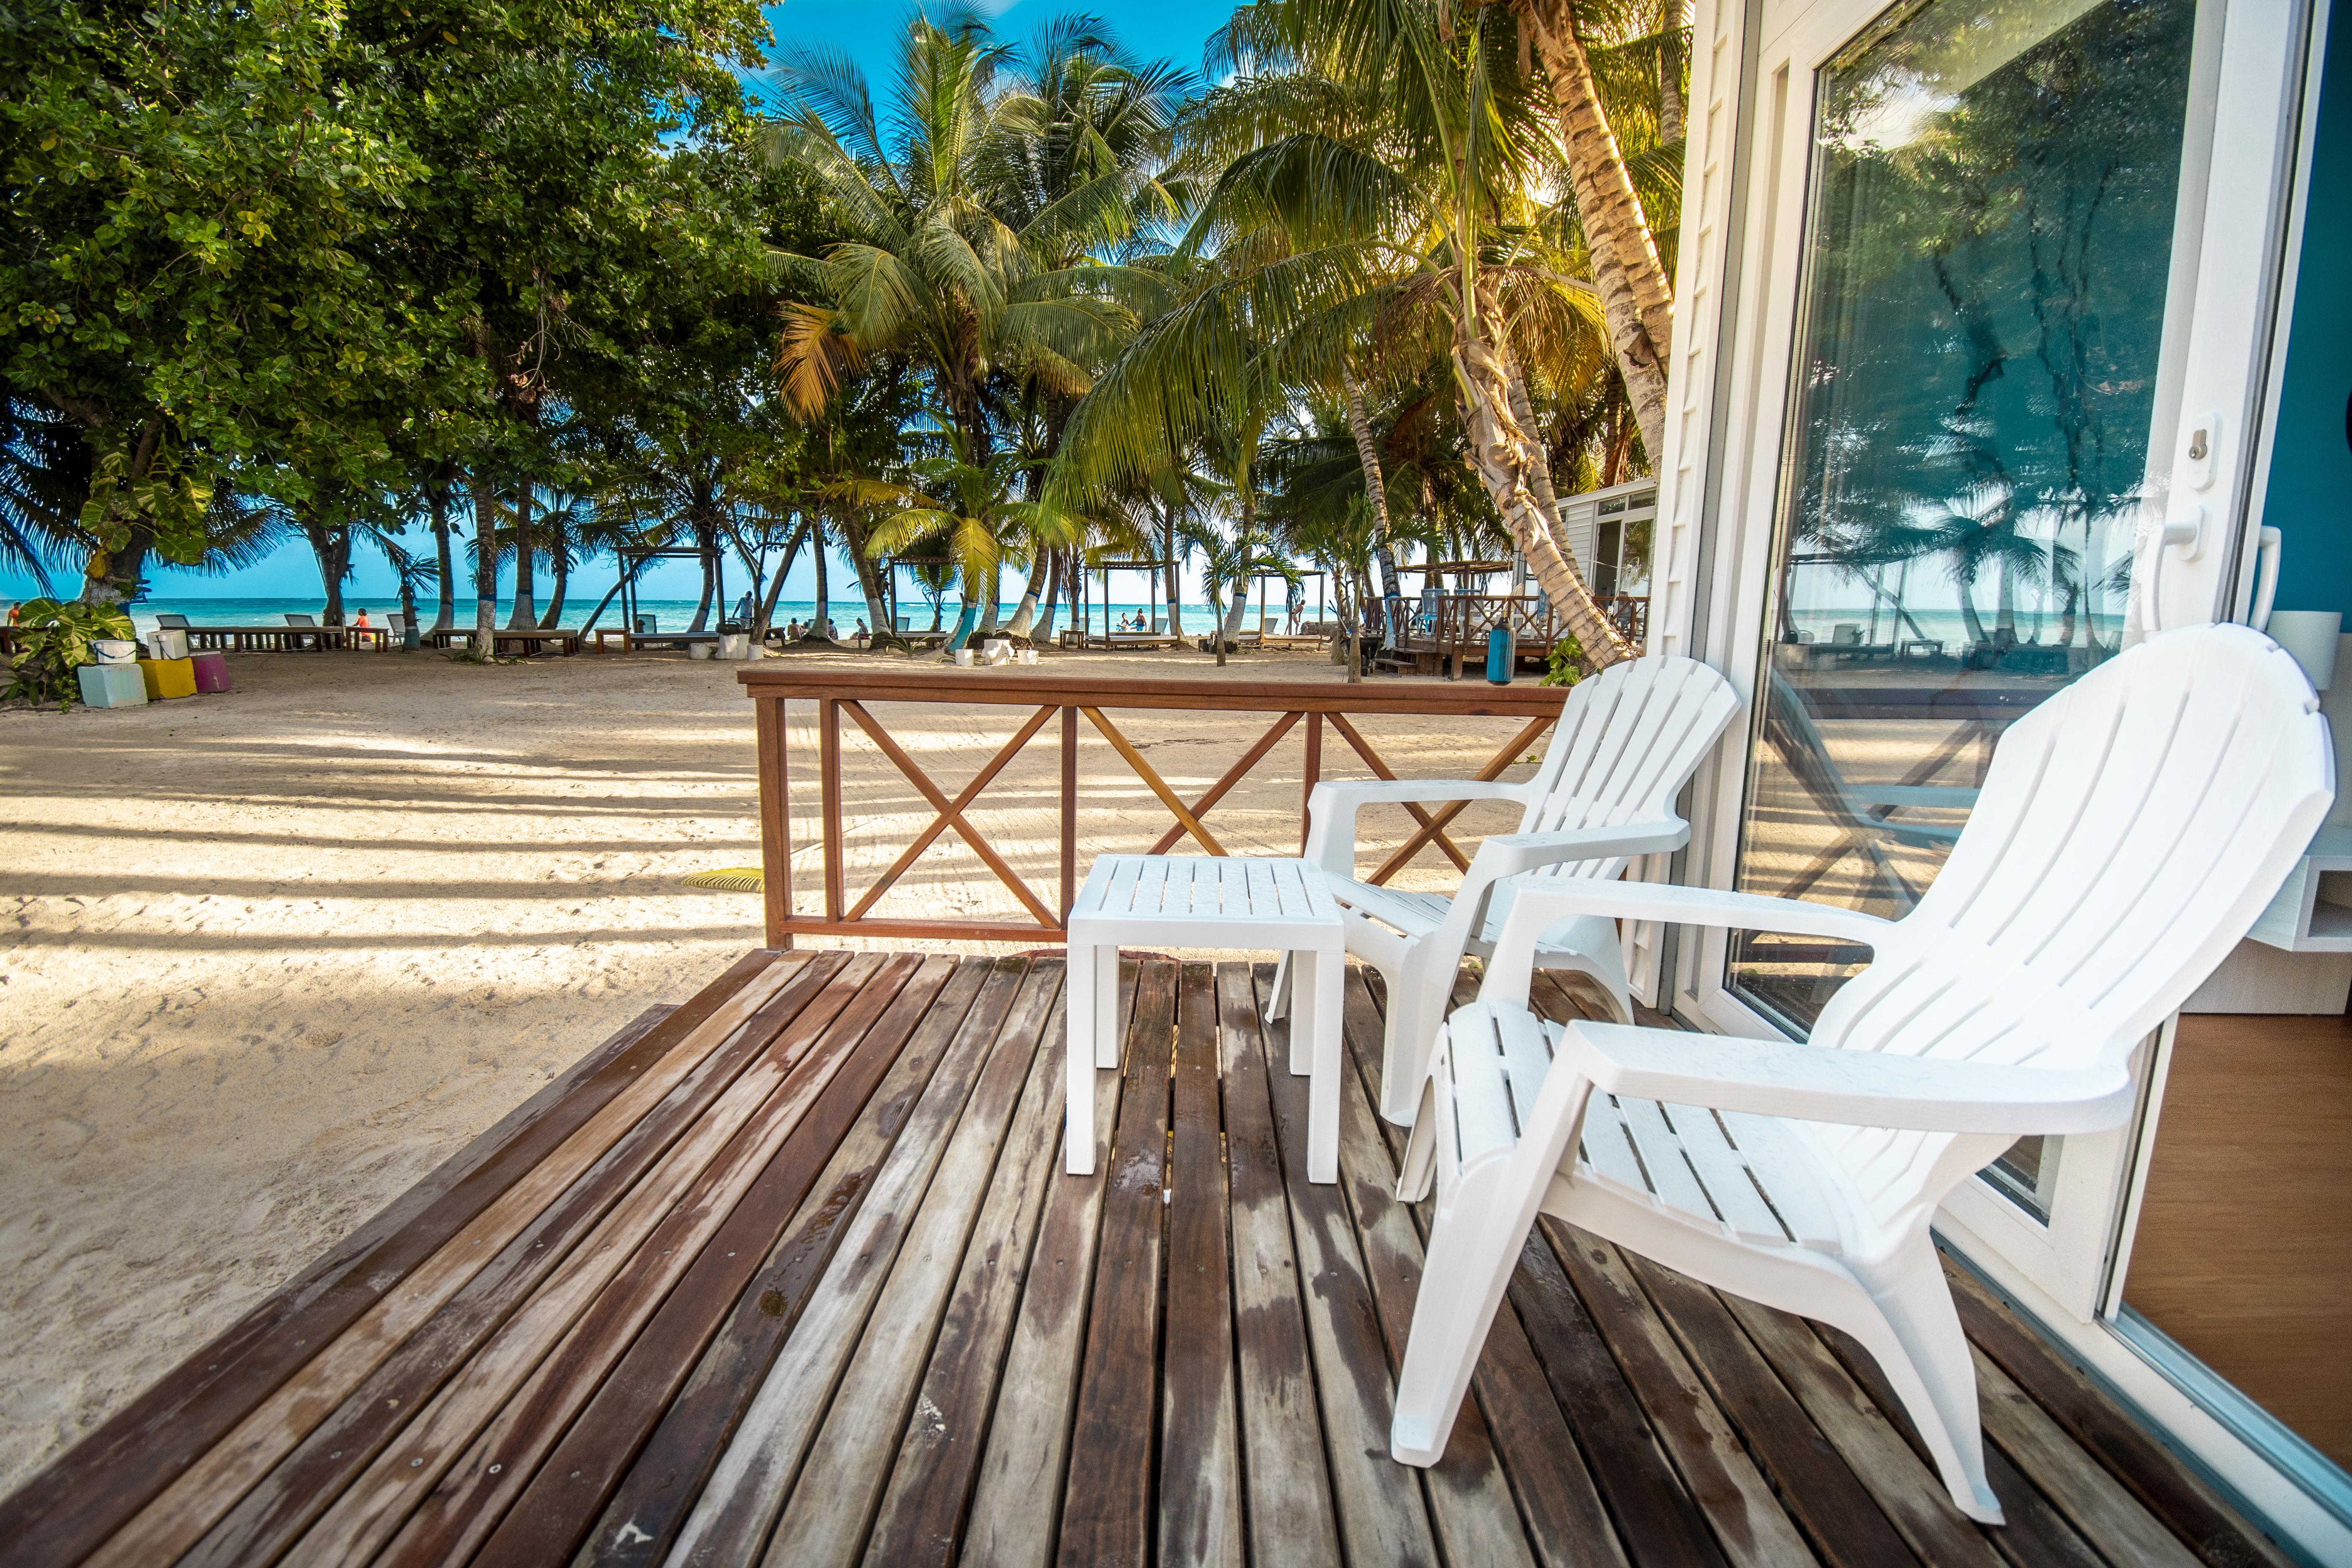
(2130, 830)
(1628, 740)
(169, 622)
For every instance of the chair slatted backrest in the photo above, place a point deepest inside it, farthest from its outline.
(1627, 739)
(295, 620)
(2130, 831)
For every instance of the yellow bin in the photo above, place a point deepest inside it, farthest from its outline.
(168, 678)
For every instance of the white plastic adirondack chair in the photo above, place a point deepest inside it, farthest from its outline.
(2130, 830)
(1627, 741)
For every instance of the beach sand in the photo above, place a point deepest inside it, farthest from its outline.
(276, 954)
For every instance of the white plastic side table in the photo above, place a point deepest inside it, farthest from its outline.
(1194, 901)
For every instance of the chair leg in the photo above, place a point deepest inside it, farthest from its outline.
(1915, 1337)
(1473, 1248)
(1277, 1005)
(1419, 1000)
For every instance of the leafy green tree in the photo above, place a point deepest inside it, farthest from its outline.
(190, 188)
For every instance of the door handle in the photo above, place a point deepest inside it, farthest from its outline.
(2269, 544)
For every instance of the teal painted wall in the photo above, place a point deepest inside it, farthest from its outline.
(2310, 494)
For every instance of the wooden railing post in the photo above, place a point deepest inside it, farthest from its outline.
(829, 794)
(1314, 773)
(1069, 812)
(775, 821)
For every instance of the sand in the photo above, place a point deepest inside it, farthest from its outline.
(276, 954)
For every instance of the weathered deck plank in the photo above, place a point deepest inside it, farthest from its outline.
(930, 1482)
(649, 1505)
(834, 1501)
(546, 1522)
(1106, 1496)
(1199, 1442)
(793, 1275)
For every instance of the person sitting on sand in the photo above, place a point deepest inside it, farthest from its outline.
(793, 630)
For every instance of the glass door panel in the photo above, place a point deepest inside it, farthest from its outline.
(1988, 235)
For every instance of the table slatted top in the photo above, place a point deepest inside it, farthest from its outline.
(1158, 888)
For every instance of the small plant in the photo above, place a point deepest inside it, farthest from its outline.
(53, 640)
(1566, 665)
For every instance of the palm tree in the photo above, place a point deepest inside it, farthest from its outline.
(969, 509)
(1377, 207)
(941, 267)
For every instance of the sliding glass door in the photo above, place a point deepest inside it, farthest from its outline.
(1976, 427)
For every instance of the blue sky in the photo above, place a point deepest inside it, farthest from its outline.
(1168, 29)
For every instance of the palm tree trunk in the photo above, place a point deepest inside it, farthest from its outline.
(1376, 496)
(1672, 18)
(485, 563)
(526, 611)
(1175, 573)
(1053, 602)
(705, 538)
(436, 493)
(1024, 615)
(1637, 299)
(1507, 461)
(823, 588)
(559, 559)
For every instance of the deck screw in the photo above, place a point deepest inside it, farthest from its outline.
(415, 1464)
(496, 1469)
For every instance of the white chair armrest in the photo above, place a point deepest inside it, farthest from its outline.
(1331, 810)
(1513, 853)
(1535, 907)
(1864, 1088)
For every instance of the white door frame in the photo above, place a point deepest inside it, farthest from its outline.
(1746, 171)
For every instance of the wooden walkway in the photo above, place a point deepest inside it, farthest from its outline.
(791, 1275)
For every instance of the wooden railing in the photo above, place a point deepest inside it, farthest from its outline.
(1048, 696)
(1465, 620)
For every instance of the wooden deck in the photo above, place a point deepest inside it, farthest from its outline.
(790, 1274)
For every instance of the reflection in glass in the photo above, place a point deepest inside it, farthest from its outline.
(1990, 235)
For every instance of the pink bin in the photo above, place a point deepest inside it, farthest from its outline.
(212, 670)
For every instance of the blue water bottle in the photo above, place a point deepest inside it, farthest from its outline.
(1502, 655)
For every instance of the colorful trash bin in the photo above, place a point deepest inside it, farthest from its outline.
(212, 669)
(169, 677)
(112, 686)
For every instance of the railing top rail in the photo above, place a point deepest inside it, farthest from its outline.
(1031, 687)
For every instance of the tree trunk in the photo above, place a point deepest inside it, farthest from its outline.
(436, 494)
(1044, 633)
(800, 537)
(559, 559)
(1637, 299)
(706, 538)
(869, 584)
(331, 543)
(485, 564)
(1507, 457)
(1175, 573)
(113, 576)
(1672, 18)
(996, 585)
(526, 608)
(1024, 613)
(1376, 496)
(408, 608)
(824, 585)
